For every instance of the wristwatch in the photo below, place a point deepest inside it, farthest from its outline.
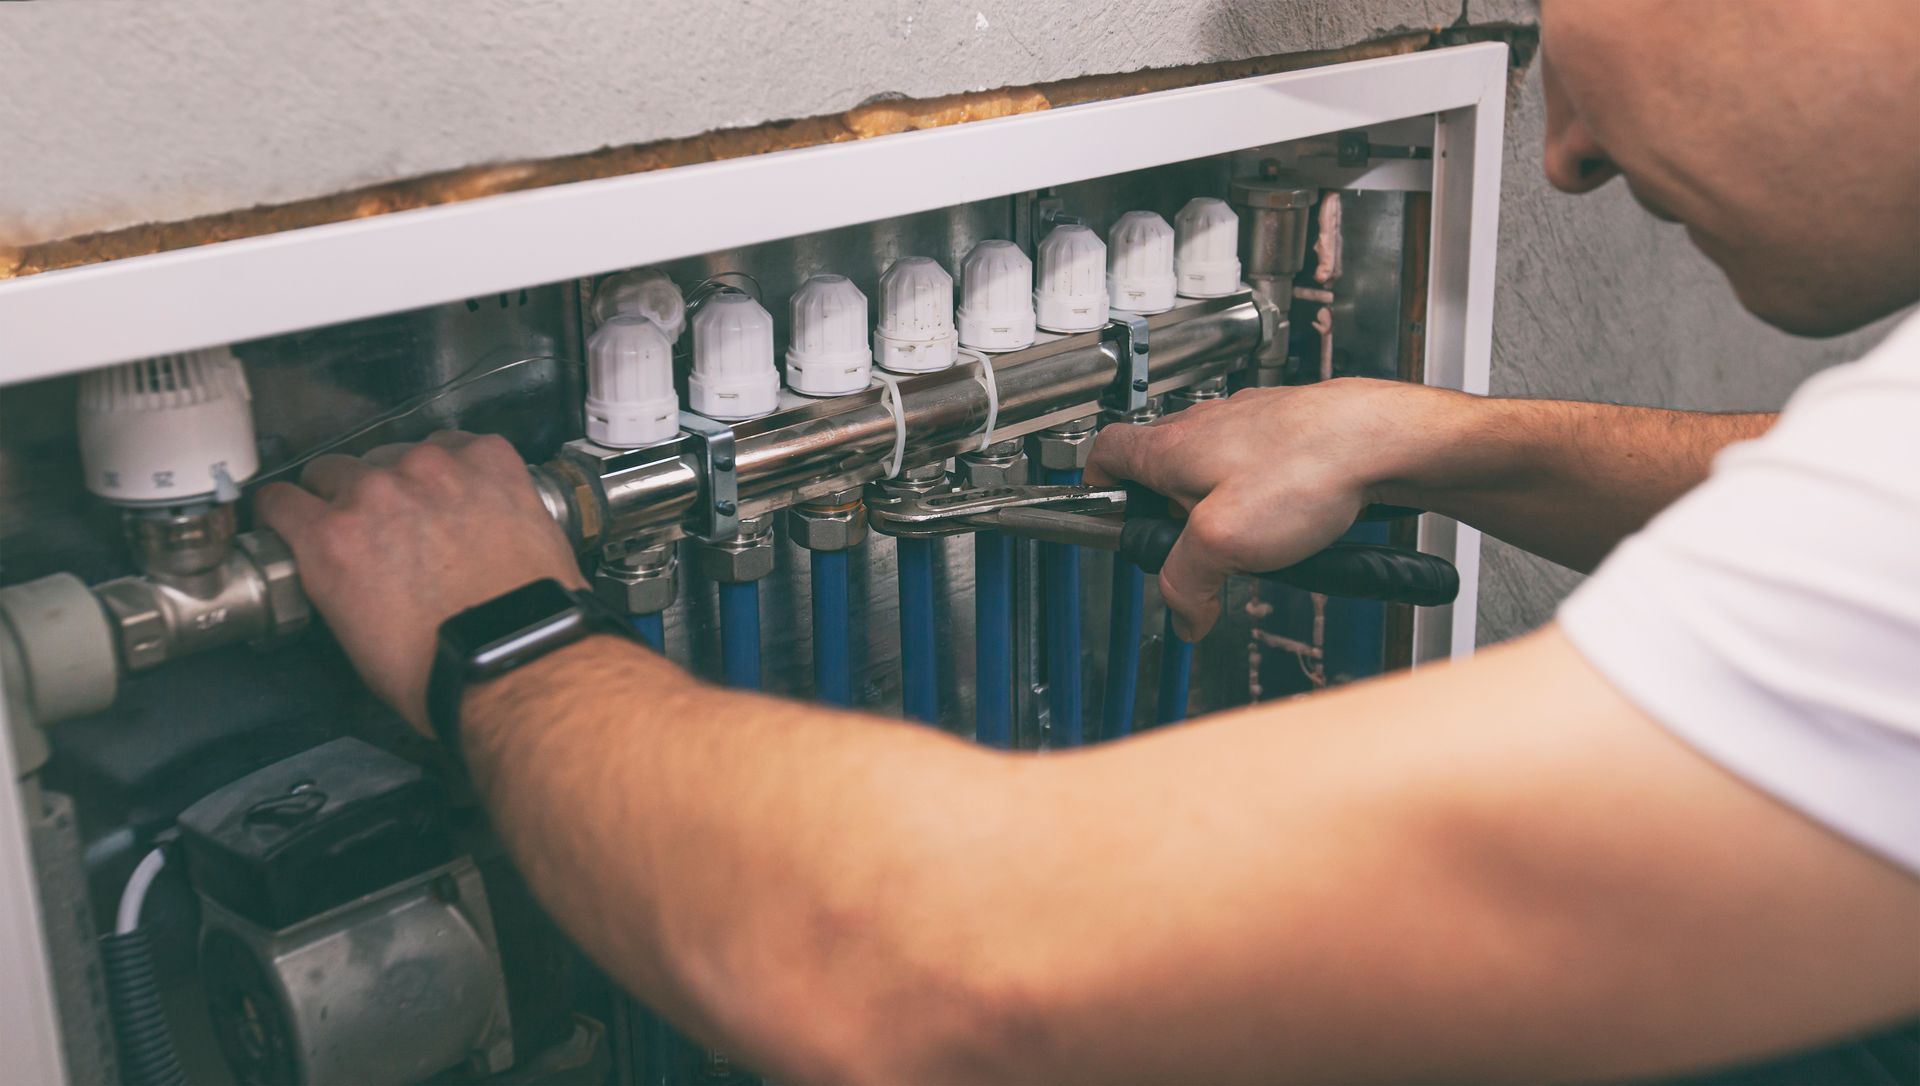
(507, 632)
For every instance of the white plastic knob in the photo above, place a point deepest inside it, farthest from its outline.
(1071, 293)
(642, 292)
(169, 430)
(915, 333)
(1140, 263)
(827, 354)
(1206, 248)
(630, 397)
(996, 297)
(733, 374)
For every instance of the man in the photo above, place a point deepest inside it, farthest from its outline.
(1677, 828)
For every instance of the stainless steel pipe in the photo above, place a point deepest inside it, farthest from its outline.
(613, 498)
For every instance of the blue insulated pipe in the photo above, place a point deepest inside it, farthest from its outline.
(1060, 570)
(740, 634)
(832, 629)
(1176, 673)
(652, 629)
(919, 666)
(993, 638)
(1128, 600)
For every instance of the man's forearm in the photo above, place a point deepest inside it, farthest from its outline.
(1563, 479)
(625, 789)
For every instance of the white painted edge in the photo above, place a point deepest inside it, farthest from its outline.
(73, 319)
(1468, 148)
(64, 321)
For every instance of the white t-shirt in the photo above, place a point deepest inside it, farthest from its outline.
(1771, 618)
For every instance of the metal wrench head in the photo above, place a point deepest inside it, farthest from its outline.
(957, 511)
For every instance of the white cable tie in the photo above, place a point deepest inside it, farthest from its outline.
(989, 382)
(897, 408)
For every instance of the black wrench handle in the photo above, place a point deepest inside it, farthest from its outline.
(1364, 571)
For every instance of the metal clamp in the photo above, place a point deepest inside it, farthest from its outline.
(1130, 384)
(716, 515)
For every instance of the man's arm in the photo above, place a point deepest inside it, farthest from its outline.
(1498, 870)
(1273, 475)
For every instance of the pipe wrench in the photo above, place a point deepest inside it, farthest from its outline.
(1136, 523)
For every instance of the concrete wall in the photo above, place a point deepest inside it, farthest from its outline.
(117, 114)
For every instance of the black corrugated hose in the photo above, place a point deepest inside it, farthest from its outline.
(139, 1025)
(140, 1028)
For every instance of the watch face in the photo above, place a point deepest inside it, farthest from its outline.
(497, 632)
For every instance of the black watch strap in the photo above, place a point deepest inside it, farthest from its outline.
(506, 632)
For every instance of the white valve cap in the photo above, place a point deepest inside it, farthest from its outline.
(169, 430)
(733, 374)
(827, 353)
(1071, 292)
(915, 333)
(641, 292)
(1140, 263)
(630, 397)
(1206, 248)
(996, 297)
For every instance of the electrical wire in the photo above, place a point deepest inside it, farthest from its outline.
(134, 897)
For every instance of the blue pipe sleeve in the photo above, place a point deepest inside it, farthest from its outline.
(993, 638)
(919, 669)
(832, 629)
(740, 635)
(1060, 569)
(1176, 673)
(652, 629)
(1357, 629)
(1127, 599)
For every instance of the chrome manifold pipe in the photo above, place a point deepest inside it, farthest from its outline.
(610, 498)
(205, 587)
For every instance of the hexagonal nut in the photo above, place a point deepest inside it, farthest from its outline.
(139, 622)
(287, 606)
(734, 563)
(1000, 471)
(635, 592)
(828, 530)
(1064, 452)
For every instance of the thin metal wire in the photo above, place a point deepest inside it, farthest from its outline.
(405, 408)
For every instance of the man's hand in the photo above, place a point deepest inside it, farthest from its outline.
(1269, 476)
(392, 545)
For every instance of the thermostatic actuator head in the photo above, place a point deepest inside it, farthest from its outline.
(1206, 248)
(630, 396)
(827, 352)
(915, 333)
(1140, 264)
(733, 374)
(641, 292)
(171, 430)
(996, 297)
(1071, 292)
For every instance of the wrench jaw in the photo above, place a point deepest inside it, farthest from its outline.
(952, 512)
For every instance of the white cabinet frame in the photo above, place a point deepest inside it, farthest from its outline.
(74, 319)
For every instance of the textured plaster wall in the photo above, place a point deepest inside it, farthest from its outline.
(113, 114)
(1600, 301)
